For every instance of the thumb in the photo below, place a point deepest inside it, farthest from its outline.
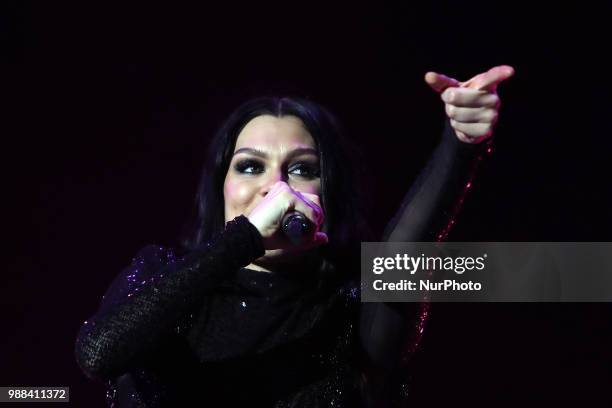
(439, 82)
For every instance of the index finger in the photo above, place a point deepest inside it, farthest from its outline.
(312, 202)
(489, 80)
(312, 197)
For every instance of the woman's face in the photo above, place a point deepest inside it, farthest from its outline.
(270, 149)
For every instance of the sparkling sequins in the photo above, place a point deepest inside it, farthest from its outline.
(152, 294)
(443, 233)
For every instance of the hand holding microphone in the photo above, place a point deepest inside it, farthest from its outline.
(288, 218)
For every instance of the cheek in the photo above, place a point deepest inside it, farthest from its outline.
(237, 196)
(311, 188)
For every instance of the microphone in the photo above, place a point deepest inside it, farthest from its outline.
(296, 227)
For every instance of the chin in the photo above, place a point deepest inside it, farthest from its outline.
(282, 256)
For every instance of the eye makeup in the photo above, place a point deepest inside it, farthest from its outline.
(305, 169)
(249, 166)
(302, 169)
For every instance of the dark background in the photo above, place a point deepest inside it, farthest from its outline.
(108, 109)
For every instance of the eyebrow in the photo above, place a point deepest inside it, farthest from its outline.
(260, 153)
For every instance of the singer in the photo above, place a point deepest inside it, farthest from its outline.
(254, 310)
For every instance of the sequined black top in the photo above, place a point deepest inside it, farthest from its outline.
(200, 329)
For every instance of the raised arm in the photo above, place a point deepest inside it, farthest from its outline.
(150, 297)
(390, 332)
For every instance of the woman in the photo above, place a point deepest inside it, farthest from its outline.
(241, 316)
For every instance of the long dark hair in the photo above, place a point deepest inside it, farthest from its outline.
(340, 195)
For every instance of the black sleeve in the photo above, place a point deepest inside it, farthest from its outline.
(390, 332)
(434, 199)
(150, 297)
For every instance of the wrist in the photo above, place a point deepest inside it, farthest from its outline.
(243, 233)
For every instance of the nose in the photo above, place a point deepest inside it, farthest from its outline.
(274, 176)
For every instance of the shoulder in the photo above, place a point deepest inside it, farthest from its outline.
(153, 255)
(145, 266)
(148, 260)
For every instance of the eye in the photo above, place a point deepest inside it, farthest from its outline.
(249, 166)
(305, 170)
